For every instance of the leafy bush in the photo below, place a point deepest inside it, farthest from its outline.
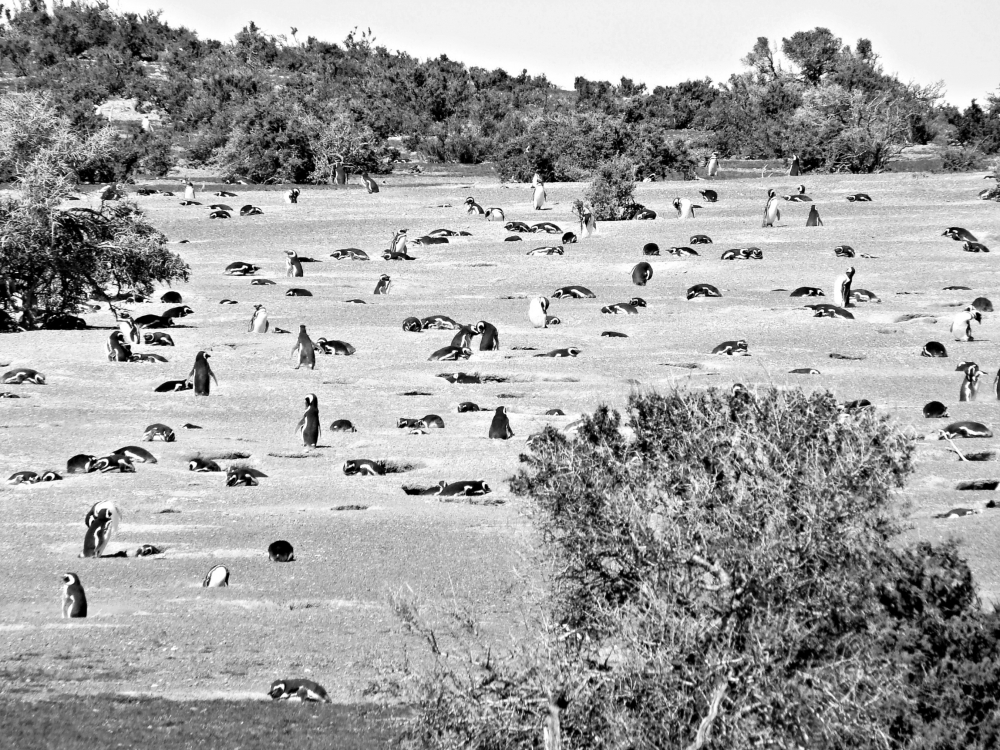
(723, 567)
(962, 159)
(610, 193)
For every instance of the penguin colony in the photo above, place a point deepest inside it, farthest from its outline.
(536, 325)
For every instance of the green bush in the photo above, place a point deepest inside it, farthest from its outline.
(725, 568)
(610, 193)
(962, 159)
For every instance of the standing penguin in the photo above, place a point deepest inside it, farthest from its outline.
(996, 385)
(500, 426)
(305, 349)
(74, 601)
(970, 386)
(259, 322)
(538, 193)
(308, 427)
(961, 326)
(118, 350)
(382, 287)
(536, 312)
(793, 169)
(771, 212)
(130, 331)
(369, 183)
(642, 273)
(713, 164)
(98, 533)
(490, 340)
(842, 288)
(588, 224)
(685, 208)
(341, 174)
(201, 374)
(189, 193)
(293, 266)
(814, 220)
(292, 196)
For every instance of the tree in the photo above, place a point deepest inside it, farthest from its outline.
(52, 259)
(815, 52)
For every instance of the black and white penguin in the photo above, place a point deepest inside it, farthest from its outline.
(571, 351)
(807, 291)
(842, 288)
(933, 349)
(81, 463)
(799, 196)
(135, 453)
(620, 308)
(296, 292)
(370, 185)
(793, 167)
(340, 348)
(203, 465)
(118, 350)
(471, 207)
(682, 252)
(546, 227)
(219, 215)
(160, 432)
(364, 467)
(148, 550)
(813, 219)
(201, 374)
(538, 194)
(685, 208)
(732, 347)
(494, 214)
(216, 578)
(74, 600)
(650, 248)
(935, 410)
(645, 214)
(966, 429)
(240, 268)
(642, 273)
(304, 349)
(342, 425)
(241, 477)
(49, 476)
(961, 325)
(958, 513)
(189, 191)
(298, 690)
(128, 328)
(463, 337)
(433, 420)
(703, 290)
(23, 477)
(258, 321)
(350, 253)
(970, 384)
(262, 282)
(190, 203)
(340, 174)
(546, 250)
(843, 251)
(114, 462)
(224, 194)
(614, 335)
(439, 323)
(568, 238)
(710, 196)
(171, 298)
(959, 234)
(982, 304)
(489, 340)
(249, 210)
(281, 551)
(859, 198)
(153, 321)
(573, 291)
(384, 282)
(500, 426)
(293, 267)
(95, 541)
(712, 168)
(308, 427)
(537, 309)
(292, 196)
(975, 247)
(864, 295)
(771, 211)
(467, 406)
(450, 354)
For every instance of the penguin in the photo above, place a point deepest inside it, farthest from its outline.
(340, 174)
(298, 690)
(799, 196)
(824, 310)
(709, 196)
(305, 349)
(130, 332)
(148, 550)
(158, 432)
(74, 600)
(262, 282)
(468, 406)
(135, 453)
(614, 334)
(201, 374)
(970, 385)
(472, 207)
(190, 203)
(296, 292)
(118, 351)
(703, 290)
(958, 513)
(258, 321)
(382, 287)
(281, 551)
(771, 212)
(864, 295)
(620, 308)
(239, 268)
(933, 349)
(513, 226)
(440, 323)
(189, 192)
(494, 214)
(650, 248)
(292, 196)
(975, 247)
(842, 288)
(808, 291)
(81, 463)
(219, 215)
(843, 251)
(546, 250)
(433, 420)
(95, 541)
(996, 385)
(813, 219)
(681, 252)
(249, 210)
(571, 351)
(50, 476)
(545, 226)
(961, 326)
(713, 165)
(959, 234)
(203, 465)
(966, 430)
(793, 168)
(463, 337)
(700, 239)
(23, 477)
(568, 238)
(370, 185)
(450, 354)
(308, 427)
(342, 425)
(216, 578)
(350, 253)
(153, 321)
(538, 195)
(181, 311)
(685, 208)
(645, 214)
(237, 477)
(588, 224)
(341, 348)
(500, 426)
(363, 466)
(859, 198)
(642, 273)
(537, 309)
(982, 304)
(224, 194)
(21, 375)
(412, 325)
(114, 462)
(573, 291)
(293, 267)
(935, 410)
(732, 347)
(489, 336)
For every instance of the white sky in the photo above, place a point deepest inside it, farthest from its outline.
(654, 42)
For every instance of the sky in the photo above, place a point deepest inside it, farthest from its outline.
(656, 42)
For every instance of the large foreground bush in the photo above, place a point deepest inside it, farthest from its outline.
(726, 573)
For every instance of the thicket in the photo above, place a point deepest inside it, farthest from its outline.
(233, 105)
(53, 256)
(725, 569)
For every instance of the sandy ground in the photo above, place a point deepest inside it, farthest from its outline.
(153, 630)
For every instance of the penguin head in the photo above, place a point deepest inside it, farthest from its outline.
(291, 254)
(384, 277)
(544, 302)
(771, 193)
(201, 356)
(802, 189)
(70, 579)
(470, 200)
(676, 203)
(311, 400)
(637, 302)
(277, 689)
(572, 351)
(849, 272)
(502, 410)
(479, 326)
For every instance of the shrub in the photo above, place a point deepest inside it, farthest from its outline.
(962, 159)
(723, 567)
(610, 193)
